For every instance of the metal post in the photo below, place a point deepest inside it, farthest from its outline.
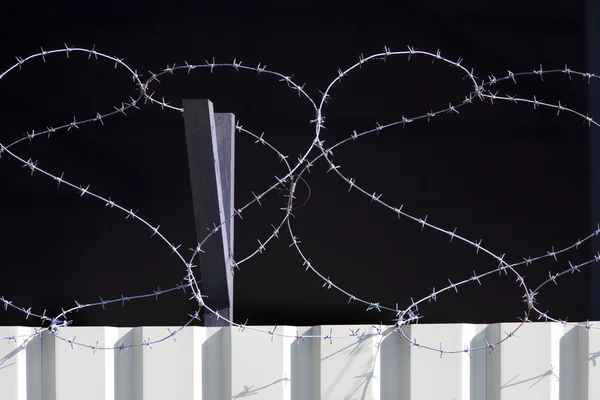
(210, 140)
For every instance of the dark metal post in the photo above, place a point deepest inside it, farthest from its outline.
(210, 140)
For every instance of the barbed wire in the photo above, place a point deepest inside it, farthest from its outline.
(317, 151)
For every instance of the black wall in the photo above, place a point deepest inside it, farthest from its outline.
(510, 175)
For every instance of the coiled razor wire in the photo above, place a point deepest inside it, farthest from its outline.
(317, 150)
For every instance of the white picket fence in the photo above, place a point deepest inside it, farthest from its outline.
(544, 361)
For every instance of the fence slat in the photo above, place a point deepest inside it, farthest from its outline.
(589, 356)
(305, 365)
(171, 369)
(349, 367)
(17, 374)
(69, 369)
(261, 364)
(526, 366)
(452, 372)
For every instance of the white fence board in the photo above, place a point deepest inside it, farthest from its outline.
(527, 364)
(542, 361)
(261, 364)
(589, 364)
(349, 368)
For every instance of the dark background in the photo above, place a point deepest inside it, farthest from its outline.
(515, 177)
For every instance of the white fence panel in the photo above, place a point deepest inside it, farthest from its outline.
(530, 364)
(542, 361)
(452, 371)
(260, 365)
(349, 368)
